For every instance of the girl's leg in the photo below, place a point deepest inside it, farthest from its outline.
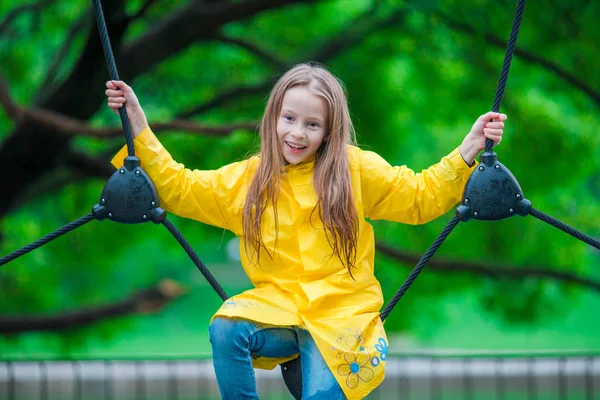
(233, 343)
(317, 380)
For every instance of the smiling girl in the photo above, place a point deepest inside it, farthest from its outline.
(300, 209)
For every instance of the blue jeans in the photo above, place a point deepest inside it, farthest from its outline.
(234, 341)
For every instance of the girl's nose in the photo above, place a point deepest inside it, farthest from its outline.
(298, 132)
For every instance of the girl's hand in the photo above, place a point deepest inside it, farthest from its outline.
(488, 126)
(119, 93)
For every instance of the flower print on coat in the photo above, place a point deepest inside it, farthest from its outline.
(382, 348)
(356, 369)
(352, 339)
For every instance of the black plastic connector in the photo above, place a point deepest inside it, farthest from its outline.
(129, 196)
(492, 193)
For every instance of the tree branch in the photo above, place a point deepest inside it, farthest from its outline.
(72, 126)
(227, 96)
(88, 166)
(74, 96)
(528, 56)
(189, 126)
(489, 269)
(146, 301)
(17, 11)
(357, 31)
(6, 101)
(354, 33)
(50, 78)
(252, 48)
(142, 11)
(200, 19)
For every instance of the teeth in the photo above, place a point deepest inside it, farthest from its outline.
(296, 147)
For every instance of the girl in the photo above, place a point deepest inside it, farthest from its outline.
(299, 208)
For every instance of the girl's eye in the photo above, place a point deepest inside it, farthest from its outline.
(313, 125)
(288, 118)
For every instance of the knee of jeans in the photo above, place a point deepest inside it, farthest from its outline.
(226, 331)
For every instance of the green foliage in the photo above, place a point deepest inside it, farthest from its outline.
(415, 88)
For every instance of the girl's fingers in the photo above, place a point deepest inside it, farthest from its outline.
(488, 116)
(116, 85)
(121, 85)
(114, 93)
(116, 102)
(112, 84)
(494, 125)
(494, 116)
(117, 99)
(492, 132)
(495, 138)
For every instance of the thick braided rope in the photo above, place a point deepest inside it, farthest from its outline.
(188, 249)
(420, 265)
(46, 239)
(565, 228)
(510, 49)
(112, 71)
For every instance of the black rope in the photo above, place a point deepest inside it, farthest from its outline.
(188, 249)
(420, 265)
(489, 144)
(46, 239)
(510, 49)
(565, 228)
(112, 71)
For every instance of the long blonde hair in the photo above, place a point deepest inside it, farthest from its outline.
(331, 180)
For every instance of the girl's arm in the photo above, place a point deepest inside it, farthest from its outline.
(488, 126)
(119, 93)
(206, 196)
(399, 194)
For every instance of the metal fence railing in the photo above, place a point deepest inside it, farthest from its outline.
(408, 376)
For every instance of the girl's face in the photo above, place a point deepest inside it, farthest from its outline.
(301, 126)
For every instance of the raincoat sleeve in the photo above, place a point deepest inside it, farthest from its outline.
(205, 196)
(399, 194)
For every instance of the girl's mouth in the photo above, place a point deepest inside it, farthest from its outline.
(294, 148)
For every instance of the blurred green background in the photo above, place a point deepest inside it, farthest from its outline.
(418, 74)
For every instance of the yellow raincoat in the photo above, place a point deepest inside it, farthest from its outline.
(302, 284)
